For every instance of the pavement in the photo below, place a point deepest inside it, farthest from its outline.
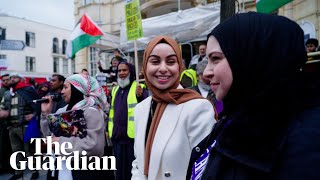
(26, 175)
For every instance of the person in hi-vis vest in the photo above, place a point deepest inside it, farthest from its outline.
(124, 98)
(188, 78)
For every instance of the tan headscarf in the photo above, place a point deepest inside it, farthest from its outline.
(163, 97)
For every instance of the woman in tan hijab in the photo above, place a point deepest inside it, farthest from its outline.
(173, 121)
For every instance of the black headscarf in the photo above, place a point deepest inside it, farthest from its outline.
(265, 53)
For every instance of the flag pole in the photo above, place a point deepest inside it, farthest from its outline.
(136, 62)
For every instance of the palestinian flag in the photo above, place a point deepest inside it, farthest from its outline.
(84, 34)
(268, 6)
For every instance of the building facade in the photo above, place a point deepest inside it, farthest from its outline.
(304, 12)
(44, 48)
(109, 14)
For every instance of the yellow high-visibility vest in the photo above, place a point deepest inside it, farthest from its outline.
(192, 74)
(132, 102)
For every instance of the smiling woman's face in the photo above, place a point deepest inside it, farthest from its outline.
(218, 69)
(162, 66)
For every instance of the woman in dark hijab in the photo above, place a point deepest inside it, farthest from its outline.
(271, 112)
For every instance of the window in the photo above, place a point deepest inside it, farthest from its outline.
(2, 34)
(93, 58)
(30, 64)
(3, 62)
(55, 64)
(30, 39)
(65, 66)
(55, 45)
(64, 46)
(73, 66)
(86, 2)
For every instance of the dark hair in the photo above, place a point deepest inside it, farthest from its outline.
(115, 59)
(60, 77)
(5, 75)
(84, 70)
(76, 96)
(313, 41)
(32, 81)
(119, 58)
(117, 50)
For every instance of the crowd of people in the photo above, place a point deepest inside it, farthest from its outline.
(17, 111)
(243, 109)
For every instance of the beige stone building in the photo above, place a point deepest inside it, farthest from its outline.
(305, 12)
(109, 14)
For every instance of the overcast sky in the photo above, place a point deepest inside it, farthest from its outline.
(54, 12)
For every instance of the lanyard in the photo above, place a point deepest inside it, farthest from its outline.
(200, 164)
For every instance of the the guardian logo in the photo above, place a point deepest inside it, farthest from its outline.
(72, 159)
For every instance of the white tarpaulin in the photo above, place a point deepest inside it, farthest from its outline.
(189, 25)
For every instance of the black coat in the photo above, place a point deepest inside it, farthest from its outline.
(113, 78)
(270, 124)
(296, 155)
